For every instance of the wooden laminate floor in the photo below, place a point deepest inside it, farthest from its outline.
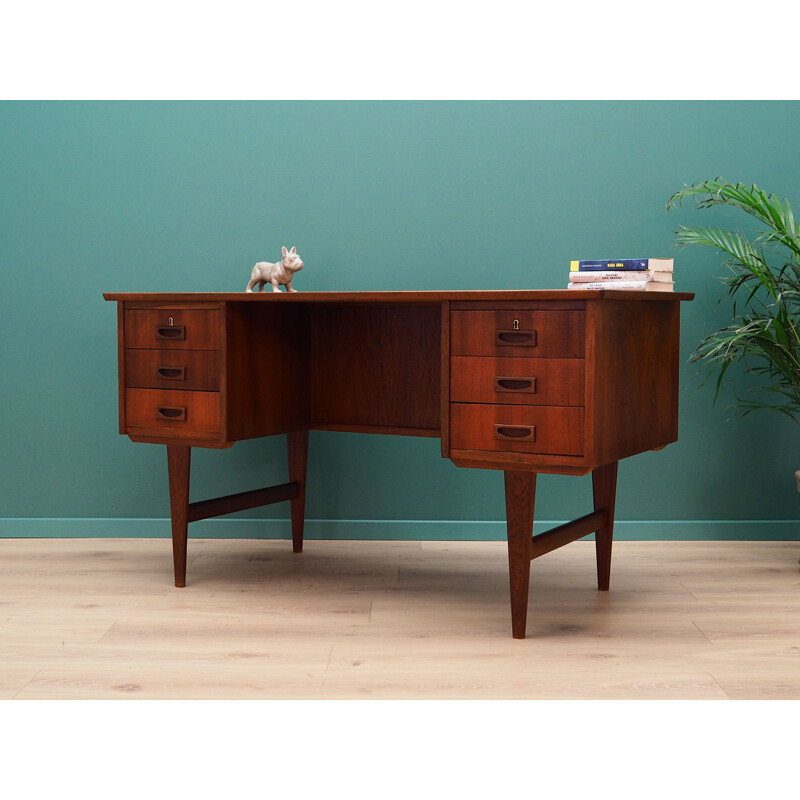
(100, 619)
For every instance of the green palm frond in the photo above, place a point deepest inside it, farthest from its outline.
(764, 335)
(775, 213)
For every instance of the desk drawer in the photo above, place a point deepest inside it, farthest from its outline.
(175, 410)
(553, 430)
(172, 329)
(172, 369)
(530, 334)
(529, 381)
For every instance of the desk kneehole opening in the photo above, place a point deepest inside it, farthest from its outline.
(515, 433)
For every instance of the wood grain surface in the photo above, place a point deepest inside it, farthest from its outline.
(98, 619)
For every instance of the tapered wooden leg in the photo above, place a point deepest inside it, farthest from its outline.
(298, 459)
(178, 461)
(520, 499)
(604, 487)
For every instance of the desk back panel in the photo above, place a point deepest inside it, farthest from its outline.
(376, 368)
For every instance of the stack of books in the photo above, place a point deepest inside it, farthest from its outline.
(632, 274)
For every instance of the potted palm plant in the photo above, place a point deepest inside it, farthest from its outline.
(763, 282)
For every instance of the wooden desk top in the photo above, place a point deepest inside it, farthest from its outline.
(398, 297)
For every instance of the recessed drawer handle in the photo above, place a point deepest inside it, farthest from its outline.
(175, 413)
(523, 338)
(517, 433)
(515, 385)
(173, 333)
(172, 373)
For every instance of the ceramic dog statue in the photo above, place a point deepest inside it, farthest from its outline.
(278, 274)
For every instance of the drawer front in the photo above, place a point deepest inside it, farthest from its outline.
(528, 381)
(173, 410)
(551, 430)
(172, 329)
(172, 369)
(531, 334)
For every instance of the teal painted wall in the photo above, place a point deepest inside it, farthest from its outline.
(178, 196)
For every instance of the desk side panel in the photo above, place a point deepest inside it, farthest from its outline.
(121, 365)
(632, 379)
(444, 367)
(266, 369)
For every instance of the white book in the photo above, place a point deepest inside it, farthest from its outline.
(618, 275)
(641, 286)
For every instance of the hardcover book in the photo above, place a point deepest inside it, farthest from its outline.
(654, 264)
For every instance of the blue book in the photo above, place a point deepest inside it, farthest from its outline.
(654, 264)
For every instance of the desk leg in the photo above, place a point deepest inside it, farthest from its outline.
(520, 499)
(178, 461)
(298, 459)
(604, 486)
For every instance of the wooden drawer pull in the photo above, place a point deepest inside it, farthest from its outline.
(517, 433)
(519, 338)
(515, 385)
(175, 413)
(172, 373)
(174, 333)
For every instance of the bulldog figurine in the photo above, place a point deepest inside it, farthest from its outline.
(278, 274)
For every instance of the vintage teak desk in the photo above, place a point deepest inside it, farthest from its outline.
(520, 381)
